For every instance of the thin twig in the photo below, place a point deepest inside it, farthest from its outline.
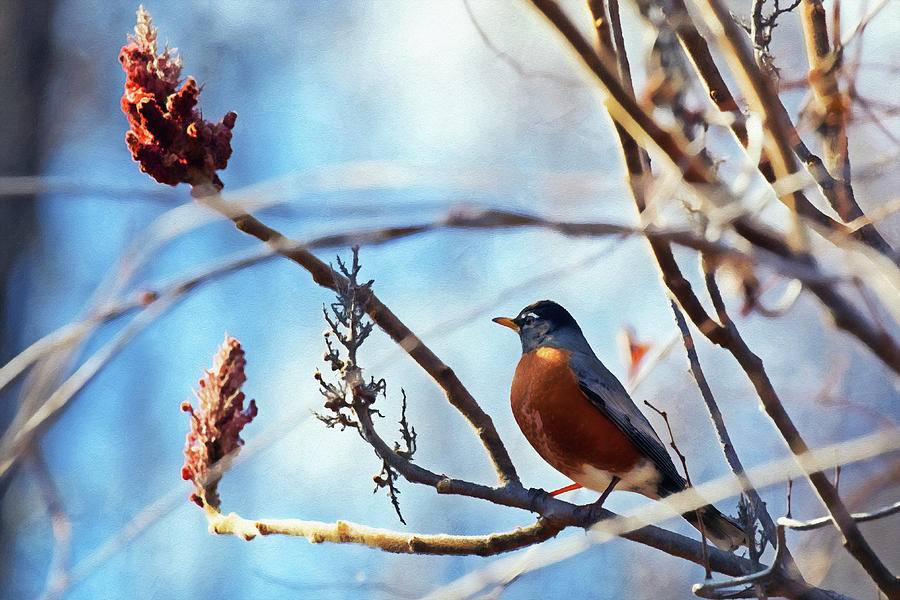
(823, 521)
(761, 26)
(622, 106)
(163, 298)
(790, 490)
(782, 140)
(60, 523)
(513, 63)
(322, 274)
(853, 539)
(16, 441)
(829, 105)
(702, 59)
(687, 477)
(764, 475)
(703, 62)
(681, 546)
(715, 415)
(710, 590)
(641, 128)
(75, 332)
(761, 91)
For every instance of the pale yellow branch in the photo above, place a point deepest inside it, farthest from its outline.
(398, 542)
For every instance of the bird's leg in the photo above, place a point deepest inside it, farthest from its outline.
(593, 510)
(607, 491)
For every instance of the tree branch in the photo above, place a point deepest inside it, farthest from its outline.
(886, 511)
(726, 335)
(763, 577)
(625, 111)
(853, 540)
(322, 274)
(398, 542)
(782, 139)
(830, 107)
(703, 62)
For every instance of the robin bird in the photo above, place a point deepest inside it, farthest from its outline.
(581, 420)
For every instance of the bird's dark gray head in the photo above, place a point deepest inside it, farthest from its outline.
(546, 324)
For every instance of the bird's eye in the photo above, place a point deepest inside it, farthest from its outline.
(529, 318)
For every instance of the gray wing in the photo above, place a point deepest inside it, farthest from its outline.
(607, 394)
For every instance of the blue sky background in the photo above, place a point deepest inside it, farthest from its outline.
(354, 115)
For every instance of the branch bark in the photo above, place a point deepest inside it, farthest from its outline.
(698, 50)
(782, 139)
(726, 334)
(853, 539)
(398, 542)
(323, 275)
(625, 111)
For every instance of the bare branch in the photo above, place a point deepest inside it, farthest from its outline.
(782, 140)
(352, 401)
(695, 169)
(16, 441)
(764, 100)
(61, 525)
(457, 394)
(829, 108)
(761, 26)
(715, 415)
(823, 521)
(687, 477)
(398, 542)
(154, 303)
(772, 472)
(513, 63)
(702, 60)
(853, 539)
(712, 590)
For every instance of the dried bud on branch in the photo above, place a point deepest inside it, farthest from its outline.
(168, 135)
(216, 424)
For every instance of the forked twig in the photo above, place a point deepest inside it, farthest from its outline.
(687, 476)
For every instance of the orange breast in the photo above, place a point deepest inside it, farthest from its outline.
(559, 420)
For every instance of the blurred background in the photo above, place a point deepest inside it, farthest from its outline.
(355, 115)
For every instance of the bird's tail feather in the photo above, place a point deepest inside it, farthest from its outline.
(722, 531)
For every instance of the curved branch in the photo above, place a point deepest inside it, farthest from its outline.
(641, 128)
(726, 334)
(715, 414)
(323, 275)
(830, 110)
(822, 521)
(784, 142)
(553, 510)
(74, 332)
(776, 253)
(701, 57)
(398, 542)
(854, 542)
(765, 576)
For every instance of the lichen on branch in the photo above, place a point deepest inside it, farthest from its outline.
(350, 401)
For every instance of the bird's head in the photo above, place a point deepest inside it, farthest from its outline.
(545, 324)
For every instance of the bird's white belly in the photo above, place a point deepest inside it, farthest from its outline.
(643, 478)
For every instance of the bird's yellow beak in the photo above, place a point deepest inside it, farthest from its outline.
(506, 322)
